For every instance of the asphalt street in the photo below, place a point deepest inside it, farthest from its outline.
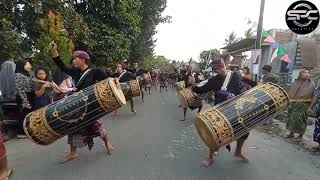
(155, 145)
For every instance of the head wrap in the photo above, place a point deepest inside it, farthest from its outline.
(217, 64)
(81, 54)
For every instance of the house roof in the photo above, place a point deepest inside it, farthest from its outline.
(242, 46)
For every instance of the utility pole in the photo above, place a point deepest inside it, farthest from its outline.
(260, 23)
(259, 33)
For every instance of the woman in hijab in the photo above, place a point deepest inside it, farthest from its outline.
(7, 83)
(24, 92)
(301, 94)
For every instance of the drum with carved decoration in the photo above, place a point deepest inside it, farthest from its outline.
(180, 85)
(188, 98)
(234, 118)
(130, 89)
(66, 116)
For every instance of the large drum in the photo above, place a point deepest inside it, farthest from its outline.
(48, 124)
(180, 85)
(131, 89)
(188, 98)
(234, 118)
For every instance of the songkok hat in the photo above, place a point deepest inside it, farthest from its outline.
(217, 64)
(81, 54)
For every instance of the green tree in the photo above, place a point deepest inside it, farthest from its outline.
(151, 16)
(251, 31)
(231, 38)
(9, 39)
(207, 56)
(115, 24)
(156, 62)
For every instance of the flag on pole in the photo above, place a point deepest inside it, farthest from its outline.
(286, 58)
(265, 34)
(274, 55)
(269, 39)
(275, 45)
(282, 51)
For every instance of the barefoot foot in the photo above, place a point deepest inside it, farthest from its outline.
(242, 157)
(69, 157)
(208, 162)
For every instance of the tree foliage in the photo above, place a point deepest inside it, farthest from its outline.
(231, 38)
(207, 56)
(156, 62)
(109, 30)
(9, 39)
(151, 16)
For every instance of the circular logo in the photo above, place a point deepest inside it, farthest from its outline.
(302, 17)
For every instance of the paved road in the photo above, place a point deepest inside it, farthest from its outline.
(154, 145)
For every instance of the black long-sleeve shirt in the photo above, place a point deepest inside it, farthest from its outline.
(92, 77)
(127, 76)
(216, 82)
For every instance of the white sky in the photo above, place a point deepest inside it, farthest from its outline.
(204, 24)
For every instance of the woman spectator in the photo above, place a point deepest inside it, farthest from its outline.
(24, 92)
(42, 90)
(7, 83)
(316, 133)
(301, 94)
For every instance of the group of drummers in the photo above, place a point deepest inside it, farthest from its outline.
(99, 90)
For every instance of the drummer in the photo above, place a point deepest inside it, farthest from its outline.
(124, 76)
(189, 81)
(234, 87)
(137, 71)
(84, 77)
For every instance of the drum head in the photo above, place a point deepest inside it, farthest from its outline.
(117, 92)
(135, 88)
(205, 132)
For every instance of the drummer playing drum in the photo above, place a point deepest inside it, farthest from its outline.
(233, 87)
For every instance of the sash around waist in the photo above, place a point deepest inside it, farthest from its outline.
(301, 100)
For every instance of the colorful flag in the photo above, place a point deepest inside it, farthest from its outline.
(275, 45)
(286, 58)
(281, 51)
(269, 39)
(265, 34)
(274, 55)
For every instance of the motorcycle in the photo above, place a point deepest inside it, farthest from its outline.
(8, 117)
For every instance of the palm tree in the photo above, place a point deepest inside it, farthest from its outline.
(231, 38)
(250, 32)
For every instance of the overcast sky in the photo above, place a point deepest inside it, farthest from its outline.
(204, 24)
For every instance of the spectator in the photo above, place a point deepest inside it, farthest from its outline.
(7, 83)
(42, 90)
(268, 76)
(301, 94)
(316, 133)
(24, 92)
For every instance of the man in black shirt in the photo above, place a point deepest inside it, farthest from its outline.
(124, 76)
(84, 77)
(231, 89)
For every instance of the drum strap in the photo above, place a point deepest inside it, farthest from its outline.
(82, 77)
(226, 81)
(124, 71)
